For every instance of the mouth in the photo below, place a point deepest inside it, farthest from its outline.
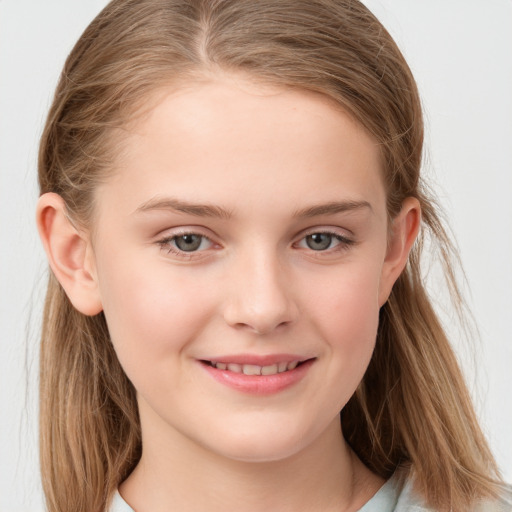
(256, 374)
(254, 369)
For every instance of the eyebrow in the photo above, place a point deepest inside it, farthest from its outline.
(170, 203)
(332, 208)
(209, 210)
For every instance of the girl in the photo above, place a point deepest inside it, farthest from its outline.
(233, 215)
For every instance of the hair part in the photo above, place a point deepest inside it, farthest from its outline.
(412, 407)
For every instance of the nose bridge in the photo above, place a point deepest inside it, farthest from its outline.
(260, 296)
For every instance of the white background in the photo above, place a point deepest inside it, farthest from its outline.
(460, 52)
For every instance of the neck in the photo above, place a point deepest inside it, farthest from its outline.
(175, 473)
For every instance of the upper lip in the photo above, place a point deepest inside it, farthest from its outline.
(257, 360)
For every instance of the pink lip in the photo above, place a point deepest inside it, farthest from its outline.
(259, 384)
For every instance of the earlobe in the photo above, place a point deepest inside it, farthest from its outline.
(405, 229)
(69, 254)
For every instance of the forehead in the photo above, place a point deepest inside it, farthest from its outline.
(230, 137)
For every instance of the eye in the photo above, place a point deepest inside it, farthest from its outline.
(319, 241)
(323, 241)
(186, 242)
(190, 242)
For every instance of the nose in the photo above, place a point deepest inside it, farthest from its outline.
(260, 297)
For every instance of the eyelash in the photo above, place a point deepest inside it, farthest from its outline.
(167, 243)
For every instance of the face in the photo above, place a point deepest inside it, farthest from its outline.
(240, 251)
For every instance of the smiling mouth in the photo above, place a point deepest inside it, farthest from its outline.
(253, 369)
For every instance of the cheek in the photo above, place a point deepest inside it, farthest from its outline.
(150, 315)
(347, 315)
(348, 308)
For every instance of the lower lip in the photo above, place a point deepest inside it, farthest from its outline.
(259, 384)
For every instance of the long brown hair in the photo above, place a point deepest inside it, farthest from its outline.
(412, 408)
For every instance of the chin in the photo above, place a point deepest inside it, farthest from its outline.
(263, 445)
(261, 452)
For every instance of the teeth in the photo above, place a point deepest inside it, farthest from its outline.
(253, 369)
(269, 370)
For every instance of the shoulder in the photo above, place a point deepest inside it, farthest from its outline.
(503, 504)
(409, 501)
(398, 495)
(119, 505)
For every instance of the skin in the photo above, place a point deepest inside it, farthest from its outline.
(261, 159)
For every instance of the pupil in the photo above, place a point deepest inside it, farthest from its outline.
(188, 242)
(319, 241)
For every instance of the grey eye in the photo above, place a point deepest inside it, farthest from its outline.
(319, 241)
(189, 242)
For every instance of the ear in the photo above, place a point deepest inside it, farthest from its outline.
(404, 231)
(69, 253)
